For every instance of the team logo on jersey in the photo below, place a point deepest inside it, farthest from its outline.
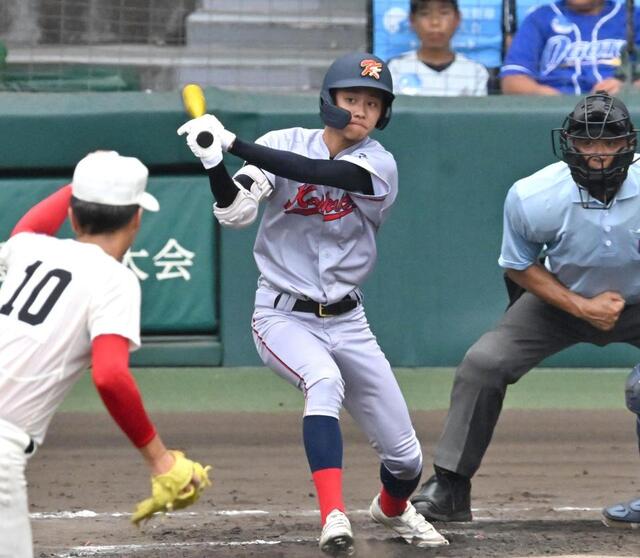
(560, 24)
(560, 51)
(307, 202)
(371, 68)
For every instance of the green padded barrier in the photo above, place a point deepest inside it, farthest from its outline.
(437, 286)
(178, 350)
(55, 130)
(173, 254)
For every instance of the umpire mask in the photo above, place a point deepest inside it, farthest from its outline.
(597, 118)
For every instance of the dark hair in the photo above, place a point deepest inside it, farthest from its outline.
(417, 4)
(99, 218)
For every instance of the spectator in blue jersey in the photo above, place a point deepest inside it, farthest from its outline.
(435, 69)
(570, 47)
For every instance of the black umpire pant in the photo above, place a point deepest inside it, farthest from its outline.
(529, 331)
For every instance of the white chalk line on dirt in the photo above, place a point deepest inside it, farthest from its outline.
(131, 549)
(88, 514)
(95, 550)
(80, 551)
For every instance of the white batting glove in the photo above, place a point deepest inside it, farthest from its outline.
(210, 156)
(209, 123)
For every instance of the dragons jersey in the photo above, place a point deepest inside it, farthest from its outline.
(58, 295)
(569, 51)
(317, 241)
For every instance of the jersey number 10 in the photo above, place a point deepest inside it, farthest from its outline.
(24, 315)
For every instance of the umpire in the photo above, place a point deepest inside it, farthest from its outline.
(582, 215)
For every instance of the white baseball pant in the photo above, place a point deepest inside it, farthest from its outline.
(15, 529)
(336, 361)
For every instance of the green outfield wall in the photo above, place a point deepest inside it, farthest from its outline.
(437, 286)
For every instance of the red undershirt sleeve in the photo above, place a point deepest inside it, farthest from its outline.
(118, 389)
(47, 216)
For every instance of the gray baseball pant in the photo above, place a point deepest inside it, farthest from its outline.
(529, 331)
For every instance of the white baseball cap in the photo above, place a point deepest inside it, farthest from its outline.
(111, 179)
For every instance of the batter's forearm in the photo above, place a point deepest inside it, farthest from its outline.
(222, 186)
(327, 172)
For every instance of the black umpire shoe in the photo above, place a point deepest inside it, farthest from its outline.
(444, 497)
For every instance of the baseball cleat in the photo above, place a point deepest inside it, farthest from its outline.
(623, 516)
(443, 498)
(336, 538)
(411, 526)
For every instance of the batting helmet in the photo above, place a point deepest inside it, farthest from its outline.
(356, 69)
(597, 117)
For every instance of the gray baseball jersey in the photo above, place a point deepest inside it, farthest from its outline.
(318, 241)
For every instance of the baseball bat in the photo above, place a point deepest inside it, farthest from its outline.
(196, 105)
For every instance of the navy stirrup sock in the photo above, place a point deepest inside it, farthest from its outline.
(322, 442)
(398, 488)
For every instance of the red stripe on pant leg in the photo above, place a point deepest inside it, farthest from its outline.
(274, 355)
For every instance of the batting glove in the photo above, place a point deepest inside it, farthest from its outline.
(210, 156)
(209, 123)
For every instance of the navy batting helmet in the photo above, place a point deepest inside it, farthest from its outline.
(356, 69)
(597, 117)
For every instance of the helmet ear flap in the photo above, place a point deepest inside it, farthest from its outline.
(332, 115)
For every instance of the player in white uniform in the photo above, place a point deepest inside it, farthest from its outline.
(327, 192)
(65, 304)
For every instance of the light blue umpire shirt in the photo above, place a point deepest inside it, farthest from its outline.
(588, 250)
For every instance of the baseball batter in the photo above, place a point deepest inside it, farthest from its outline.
(66, 304)
(327, 192)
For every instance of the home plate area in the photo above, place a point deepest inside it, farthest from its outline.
(538, 493)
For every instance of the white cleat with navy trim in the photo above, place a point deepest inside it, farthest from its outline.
(336, 538)
(411, 526)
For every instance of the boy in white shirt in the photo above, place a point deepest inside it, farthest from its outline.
(435, 69)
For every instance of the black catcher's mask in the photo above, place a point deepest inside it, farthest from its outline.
(596, 117)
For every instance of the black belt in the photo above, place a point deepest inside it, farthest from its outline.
(322, 310)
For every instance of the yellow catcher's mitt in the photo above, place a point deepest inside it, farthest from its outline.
(173, 490)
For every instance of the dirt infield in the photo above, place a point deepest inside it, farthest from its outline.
(539, 491)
